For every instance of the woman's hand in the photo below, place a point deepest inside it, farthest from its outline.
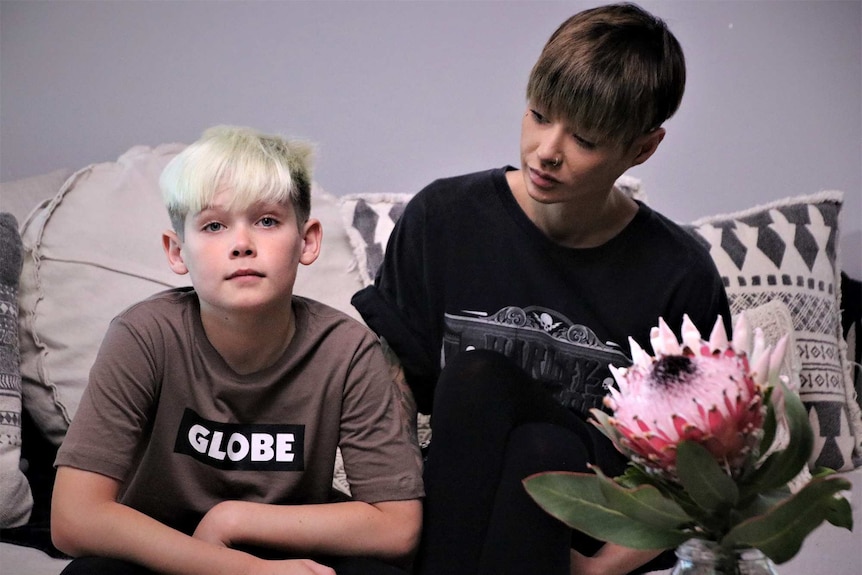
(610, 560)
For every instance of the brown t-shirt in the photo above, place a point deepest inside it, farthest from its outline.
(167, 417)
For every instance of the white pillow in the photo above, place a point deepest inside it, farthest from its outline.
(93, 250)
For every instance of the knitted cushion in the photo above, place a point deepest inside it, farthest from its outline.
(16, 501)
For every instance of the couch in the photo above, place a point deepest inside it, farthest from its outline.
(87, 244)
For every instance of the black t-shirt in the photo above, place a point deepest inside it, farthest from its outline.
(465, 267)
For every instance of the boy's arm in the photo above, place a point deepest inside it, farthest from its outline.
(388, 530)
(405, 395)
(86, 519)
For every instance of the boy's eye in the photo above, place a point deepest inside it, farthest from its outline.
(268, 222)
(212, 227)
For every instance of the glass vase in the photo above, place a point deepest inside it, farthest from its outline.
(700, 557)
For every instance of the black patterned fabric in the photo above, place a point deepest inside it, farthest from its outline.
(851, 324)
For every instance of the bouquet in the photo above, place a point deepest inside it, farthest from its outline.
(698, 423)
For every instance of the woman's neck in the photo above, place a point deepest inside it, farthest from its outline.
(586, 221)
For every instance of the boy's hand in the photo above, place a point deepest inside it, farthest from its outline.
(292, 567)
(215, 527)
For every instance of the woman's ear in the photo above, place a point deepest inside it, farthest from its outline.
(173, 247)
(646, 145)
(311, 236)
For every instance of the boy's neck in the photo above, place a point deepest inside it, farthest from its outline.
(249, 343)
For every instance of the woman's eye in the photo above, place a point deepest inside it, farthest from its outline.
(537, 116)
(586, 144)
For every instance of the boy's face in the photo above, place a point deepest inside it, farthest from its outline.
(559, 164)
(243, 260)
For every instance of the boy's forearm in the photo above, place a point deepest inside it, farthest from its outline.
(388, 530)
(86, 520)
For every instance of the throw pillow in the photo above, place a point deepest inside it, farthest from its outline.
(16, 500)
(22, 197)
(774, 320)
(369, 219)
(334, 277)
(93, 250)
(786, 251)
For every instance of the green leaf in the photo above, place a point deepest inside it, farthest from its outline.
(839, 513)
(782, 466)
(576, 499)
(703, 479)
(644, 503)
(770, 426)
(763, 502)
(779, 533)
(604, 425)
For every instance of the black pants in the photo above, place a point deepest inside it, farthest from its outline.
(494, 426)
(105, 566)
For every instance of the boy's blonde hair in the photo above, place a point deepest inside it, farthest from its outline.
(255, 167)
(613, 72)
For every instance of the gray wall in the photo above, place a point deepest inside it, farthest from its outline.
(399, 93)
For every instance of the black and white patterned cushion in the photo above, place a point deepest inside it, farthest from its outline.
(787, 251)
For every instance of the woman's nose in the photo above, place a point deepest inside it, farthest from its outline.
(550, 149)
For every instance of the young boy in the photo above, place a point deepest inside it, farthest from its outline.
(206, 439)
(544, 271)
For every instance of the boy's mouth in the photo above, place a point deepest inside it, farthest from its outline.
(245, 273)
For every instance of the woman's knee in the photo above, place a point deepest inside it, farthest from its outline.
(480, 377)
(540, 446)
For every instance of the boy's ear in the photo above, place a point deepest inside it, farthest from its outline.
(311, 236)
(646, 145)
(173, 250)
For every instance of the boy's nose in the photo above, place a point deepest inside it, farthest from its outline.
(243, 244)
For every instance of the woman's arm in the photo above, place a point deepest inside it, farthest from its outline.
(86, 519)
(611, 559)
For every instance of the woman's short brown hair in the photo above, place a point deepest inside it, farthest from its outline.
(613, 72)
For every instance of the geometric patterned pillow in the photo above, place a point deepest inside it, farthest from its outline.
(786, 251)
(369, 219)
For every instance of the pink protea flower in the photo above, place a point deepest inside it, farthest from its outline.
(710, 392)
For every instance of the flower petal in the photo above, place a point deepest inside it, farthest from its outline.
(663, 340)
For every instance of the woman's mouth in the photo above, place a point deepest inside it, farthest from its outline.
(541, 179)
